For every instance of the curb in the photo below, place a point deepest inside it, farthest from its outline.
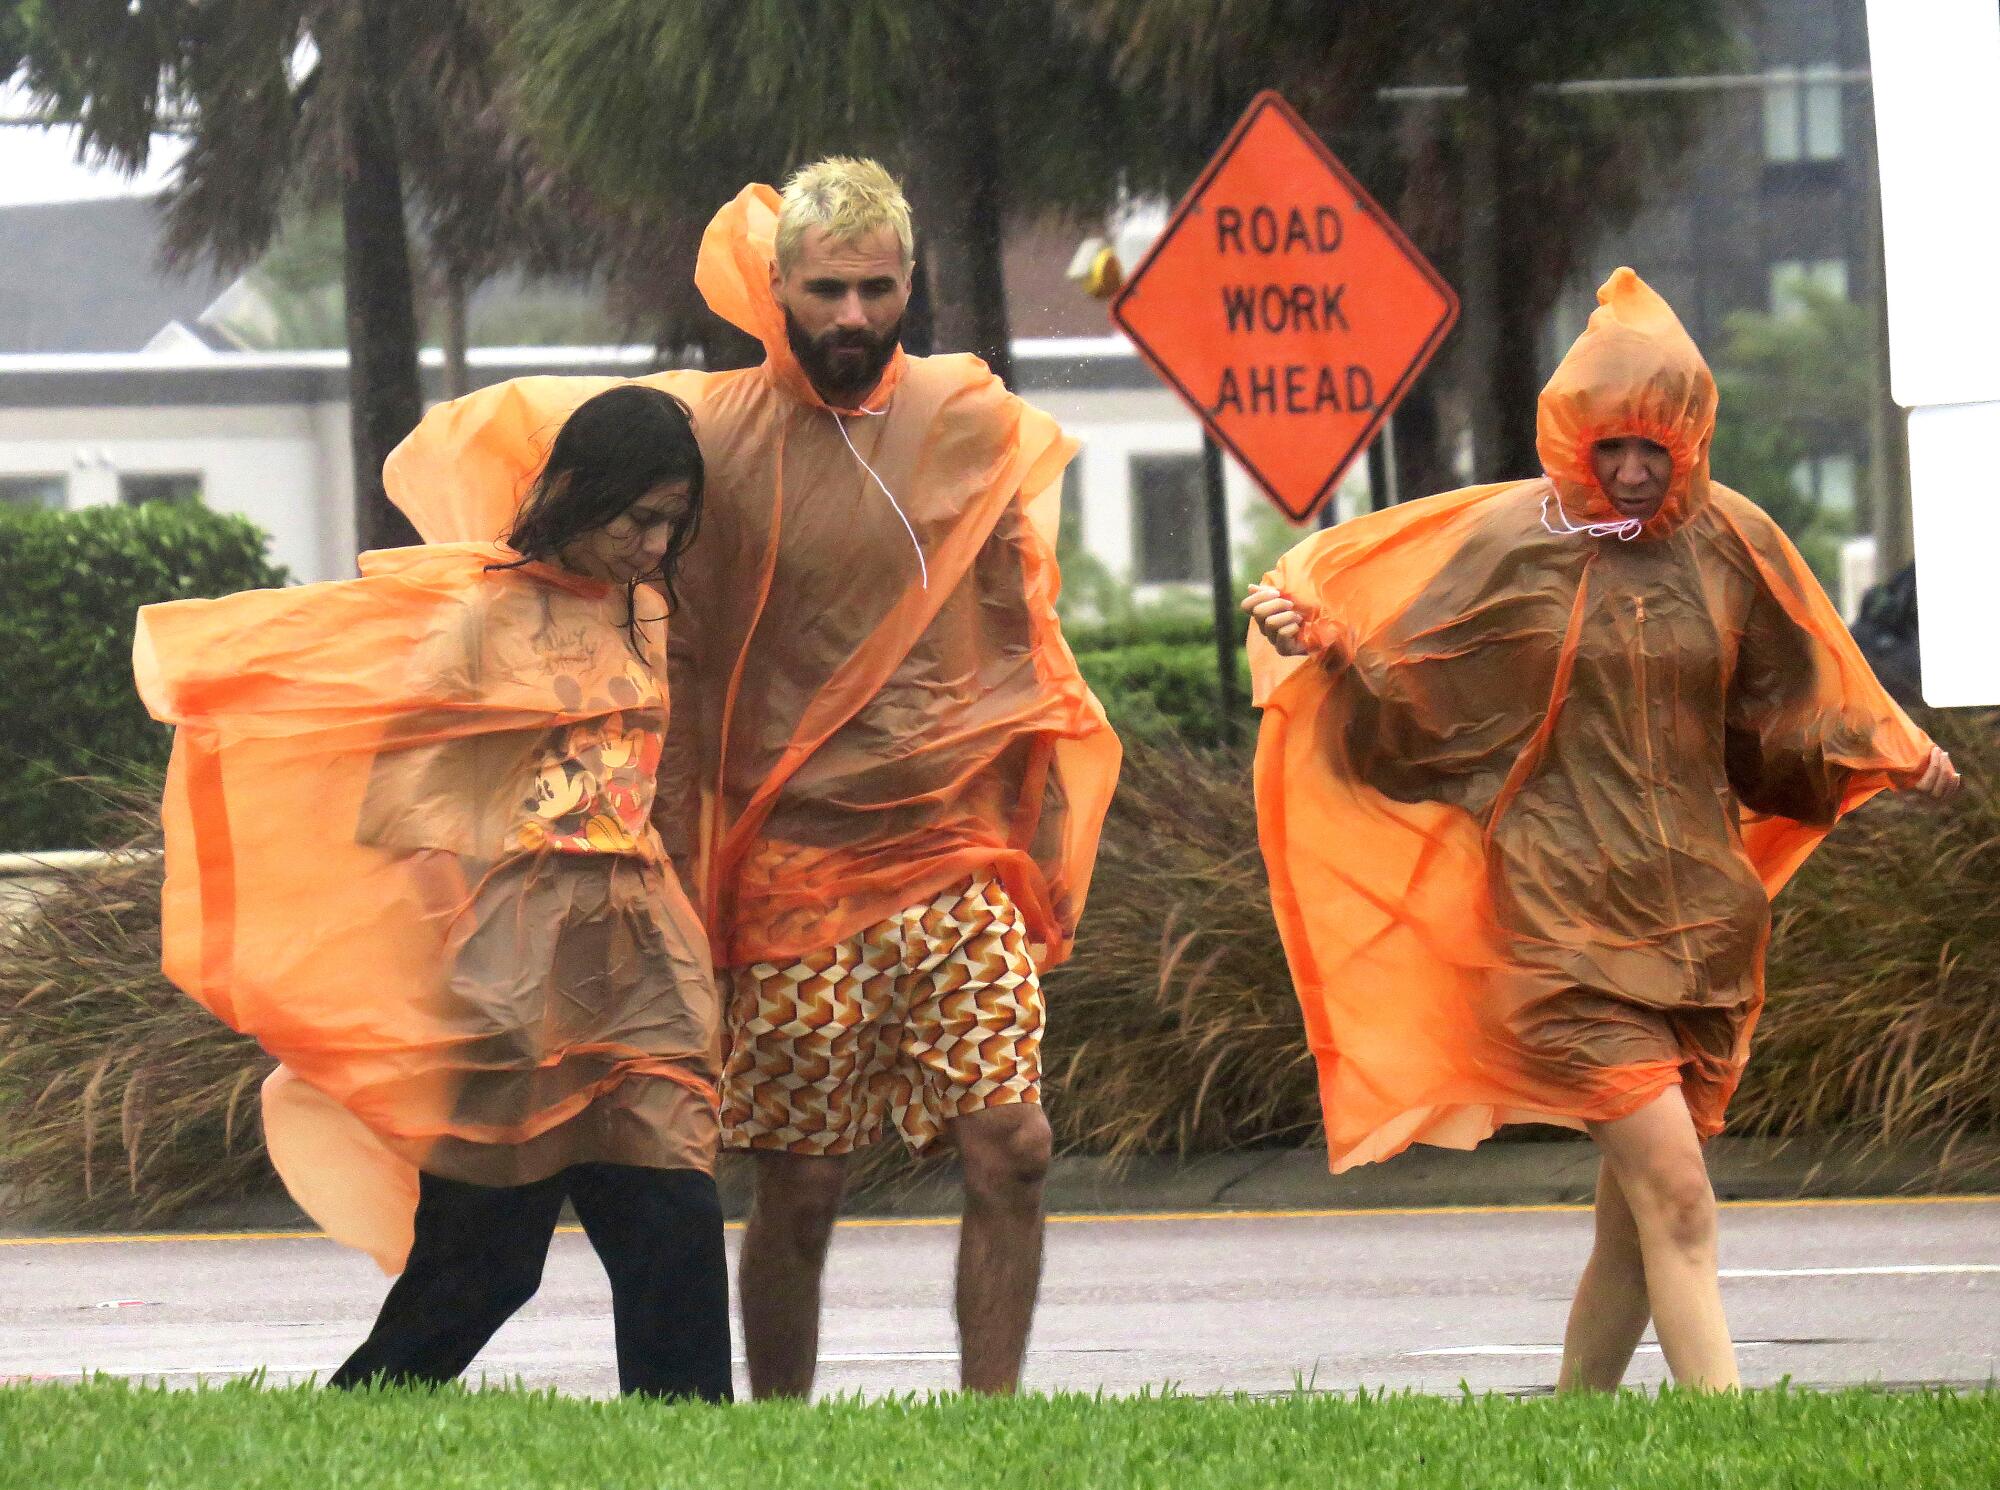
(1506, 1173)
(51, 862)
(26, 878)
(1559, 1171)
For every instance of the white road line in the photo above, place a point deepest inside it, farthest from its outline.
(1893, 1270)
(503, 1367)
(1649, 1348)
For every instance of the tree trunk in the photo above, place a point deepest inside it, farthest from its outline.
(1888, 430)
(1421, 468)
(1479, 277)
(1515, 376)
(1502, 349)
(919, 325)
(385, 397)
(721, 346)
(457, 375)
(957, 190)
(1889, 478)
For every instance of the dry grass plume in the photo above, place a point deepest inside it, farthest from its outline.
(1172, 1031)
(121, 1099)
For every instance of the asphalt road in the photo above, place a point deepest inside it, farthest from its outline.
(1827, 1292)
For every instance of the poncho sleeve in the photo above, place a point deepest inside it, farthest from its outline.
(682, 797)
(1811, 733)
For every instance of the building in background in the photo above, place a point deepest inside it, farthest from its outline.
(85, 277)
(1775, 204)
(121, 384)
(118, 383)
(265, 434)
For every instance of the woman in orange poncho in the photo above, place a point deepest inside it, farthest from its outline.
(884, 775)
(1552, 746)
(409, 850)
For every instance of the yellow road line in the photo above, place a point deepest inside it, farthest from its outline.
(1079, 1218)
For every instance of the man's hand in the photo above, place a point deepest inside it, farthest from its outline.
(1938, 780)
(1277, 616)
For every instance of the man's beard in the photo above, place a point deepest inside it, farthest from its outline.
(842, 381)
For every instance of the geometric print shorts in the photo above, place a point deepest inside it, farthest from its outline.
(919, 1019)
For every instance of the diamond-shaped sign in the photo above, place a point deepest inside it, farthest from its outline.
(1285, 307)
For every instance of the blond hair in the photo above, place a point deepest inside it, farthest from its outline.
(846, 196)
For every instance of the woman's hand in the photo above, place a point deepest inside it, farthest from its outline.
(1277, 616)
(1938, 779)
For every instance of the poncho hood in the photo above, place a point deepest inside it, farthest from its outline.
(733, 273)
(461, 475)
(1633, 372)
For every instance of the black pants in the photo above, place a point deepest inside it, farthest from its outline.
(478, 1257)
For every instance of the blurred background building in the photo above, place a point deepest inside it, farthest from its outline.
(122, 382)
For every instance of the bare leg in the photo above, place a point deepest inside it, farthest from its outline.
(1005, 1151)
(1657, 1158)
(777, 1278)
(1610, 1311)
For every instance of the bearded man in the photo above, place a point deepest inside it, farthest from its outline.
(890, 774)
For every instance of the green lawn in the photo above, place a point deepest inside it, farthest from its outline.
(242, 1437)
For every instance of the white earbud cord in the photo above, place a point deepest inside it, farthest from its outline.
(923, 568)
(1625, 530)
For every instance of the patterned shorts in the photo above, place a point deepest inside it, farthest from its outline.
(929, 1015)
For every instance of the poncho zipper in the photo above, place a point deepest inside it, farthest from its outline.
(1653, 795)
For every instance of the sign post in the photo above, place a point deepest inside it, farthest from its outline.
(1382, 468)
(1221, 586)
(1290, 314)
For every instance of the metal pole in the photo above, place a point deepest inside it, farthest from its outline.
(1382, 467)
(1222, 582)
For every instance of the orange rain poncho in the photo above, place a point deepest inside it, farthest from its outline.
(409, 851)
(856, 724)
(1526, 801)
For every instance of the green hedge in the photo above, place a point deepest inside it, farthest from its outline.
(1165, 627)
(1166, 691)
(69, 585)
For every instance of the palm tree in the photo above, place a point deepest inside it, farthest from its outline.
(377, 108)
(273, 94)
(708, 94)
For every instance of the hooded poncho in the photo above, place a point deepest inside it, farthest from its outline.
(864, 714)
(1526, 800)
(409, 850)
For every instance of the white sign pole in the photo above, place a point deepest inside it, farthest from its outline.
(1936, 67)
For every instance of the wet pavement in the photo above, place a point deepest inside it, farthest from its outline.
(1824, 1292)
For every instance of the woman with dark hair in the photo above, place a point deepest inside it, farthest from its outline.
(410, 851)
(619, 499)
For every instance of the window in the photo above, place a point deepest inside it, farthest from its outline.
(34, 491)
(1802, 114)
(1169, 542)
(1794, 281)
(178, 486)
(1829, 482)
(1069, 531)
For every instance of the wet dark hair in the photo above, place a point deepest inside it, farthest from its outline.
(615, 447)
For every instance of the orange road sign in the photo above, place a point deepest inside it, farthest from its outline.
(1285, 307)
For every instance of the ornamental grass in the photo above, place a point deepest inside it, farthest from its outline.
(1172, 1031)
(122, 1101)
(1883, 1016)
